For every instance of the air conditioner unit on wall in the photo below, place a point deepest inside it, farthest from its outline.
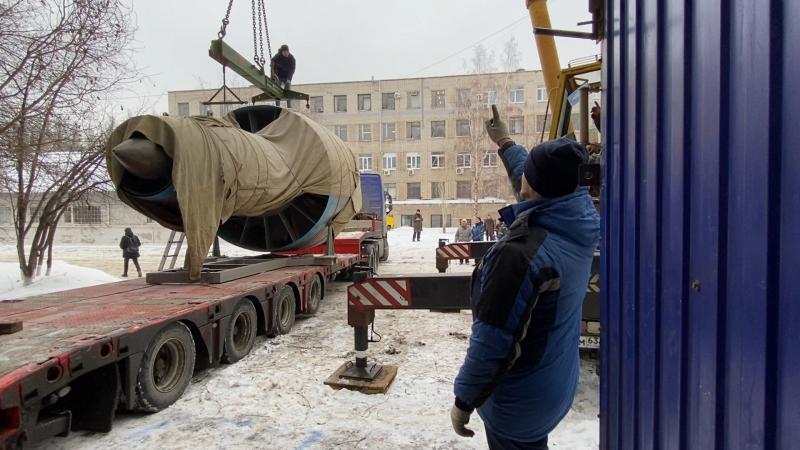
(387, 172)
(459, 171)
(410, 172)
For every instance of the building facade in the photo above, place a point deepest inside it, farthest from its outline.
(425, 136)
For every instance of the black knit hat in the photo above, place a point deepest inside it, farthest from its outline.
(552, 167)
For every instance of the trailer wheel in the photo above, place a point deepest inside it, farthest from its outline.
(241, 332)
(385, 255)
(166, 368)
(285, 310)
(313, 295)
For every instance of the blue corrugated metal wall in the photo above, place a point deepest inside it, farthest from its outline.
(701, 205)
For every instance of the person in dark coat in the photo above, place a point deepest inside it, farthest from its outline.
(522, 365)
(282, 68)
(417, 226)
(478, 230)
(490, 228)
(130, 244)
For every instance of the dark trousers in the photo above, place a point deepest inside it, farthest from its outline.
(416, 235)
(135, 263)
(285, 84)
(500, 443)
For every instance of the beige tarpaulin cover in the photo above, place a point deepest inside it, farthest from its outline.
(220, 170)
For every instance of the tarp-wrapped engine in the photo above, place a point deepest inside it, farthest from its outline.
(265, 179)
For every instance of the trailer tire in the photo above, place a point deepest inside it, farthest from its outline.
(241, 333)
(385, 255)
(313, 295)
(166, 368)
(285, 309)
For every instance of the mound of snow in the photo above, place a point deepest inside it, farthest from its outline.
(62, 277)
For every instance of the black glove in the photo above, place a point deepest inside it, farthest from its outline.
(460, 418)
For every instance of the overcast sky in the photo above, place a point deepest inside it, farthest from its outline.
(336, 40)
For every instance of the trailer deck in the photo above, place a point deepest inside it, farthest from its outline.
(68, 334)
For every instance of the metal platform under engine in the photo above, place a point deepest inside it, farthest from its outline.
(223, 269)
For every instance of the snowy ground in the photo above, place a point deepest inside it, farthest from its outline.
(62, 277)
(274, 398)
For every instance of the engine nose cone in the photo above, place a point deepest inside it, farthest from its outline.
(143, 158)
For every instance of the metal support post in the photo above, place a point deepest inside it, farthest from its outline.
(584, 113)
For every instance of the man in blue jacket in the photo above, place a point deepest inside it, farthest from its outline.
(522, 366)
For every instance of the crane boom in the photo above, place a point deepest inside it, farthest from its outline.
(546, 45)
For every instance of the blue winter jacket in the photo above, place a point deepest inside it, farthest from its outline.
(478, 230)
(522, 365)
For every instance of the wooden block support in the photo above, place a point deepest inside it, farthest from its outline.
(377, 386)
(10, 327)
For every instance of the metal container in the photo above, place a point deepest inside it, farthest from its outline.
(701, 225)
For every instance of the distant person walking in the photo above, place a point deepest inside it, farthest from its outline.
(130, 244)
(463, 234)
(282, 68)
(490, 228)
(417, 226)
(478, 230)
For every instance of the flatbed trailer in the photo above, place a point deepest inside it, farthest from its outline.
(85, 353)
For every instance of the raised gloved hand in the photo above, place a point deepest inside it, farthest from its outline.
(496, 128)
(460, 418)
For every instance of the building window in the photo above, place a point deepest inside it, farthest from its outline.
(406, 220)
(86, 214)
(341, 131)
(316, 104)
(5, 215)
(226, 108)
(489, 98)
(340, 103)
(517, 95)
(365, 132)
(437, 189)
(413, 131)
(364, 161)
(183, 109)
(542, 122)
(414, 100)
(388, 100)
(463, 189)
(364, 102)
(391, 189)
(436, 220)
(462, 98)
(462, 128)
(463, 160)
(437, 160)
(490, 188)
(413, 161)
(388, 131)
(516, 125)
(437, 99)
(437, 128)
(490, 159)
(412, 191)
(390, 161)
(541, 93)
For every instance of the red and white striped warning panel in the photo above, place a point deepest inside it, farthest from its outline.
(378, 292)
(454, 251)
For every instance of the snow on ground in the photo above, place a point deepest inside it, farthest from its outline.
(62, 277)
(275, 398)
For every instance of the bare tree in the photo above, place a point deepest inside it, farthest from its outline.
(59, 62)
(472, 106)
